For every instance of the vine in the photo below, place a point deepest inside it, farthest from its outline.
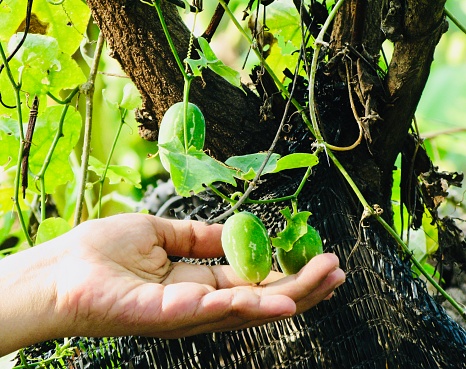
(88, 90)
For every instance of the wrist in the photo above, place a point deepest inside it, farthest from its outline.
(28, 297)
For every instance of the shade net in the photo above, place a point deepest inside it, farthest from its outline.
(382, 317)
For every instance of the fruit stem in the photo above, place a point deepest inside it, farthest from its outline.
(220, 194)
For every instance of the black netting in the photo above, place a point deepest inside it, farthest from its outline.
(382, 317)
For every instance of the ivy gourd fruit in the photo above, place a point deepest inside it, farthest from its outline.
(304, 249)
(247, 248)
(172, 126)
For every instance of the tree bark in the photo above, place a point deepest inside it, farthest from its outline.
(136, 39)
(382, 316)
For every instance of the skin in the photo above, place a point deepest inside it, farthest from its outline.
(112, 277)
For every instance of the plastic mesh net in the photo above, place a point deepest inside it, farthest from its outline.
(381, 317)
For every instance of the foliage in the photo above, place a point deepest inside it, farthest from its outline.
(53, 64)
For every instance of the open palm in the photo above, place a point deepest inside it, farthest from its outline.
(118, 280)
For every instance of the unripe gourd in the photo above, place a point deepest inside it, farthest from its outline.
(247, 248)
(304, 249)
(172, 126)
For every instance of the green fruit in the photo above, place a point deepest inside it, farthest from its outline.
(246, 244)
(173, 126)
(303, 250)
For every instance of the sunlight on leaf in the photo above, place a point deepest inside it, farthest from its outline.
(11, 14)
(116, 173)
(51, 228)
(296, 160)
(281, 20)
(59, 170)
(9, 142)
(192, 171)
(131, 98)
(249, 164)
(38, 49)
(45, 67)
(67, 22)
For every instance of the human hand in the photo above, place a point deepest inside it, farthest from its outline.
(112, 277)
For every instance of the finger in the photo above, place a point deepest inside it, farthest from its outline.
(277, 283)
(309, 278)
(221, 310)
(188, 238)
(314, 283)
(252, 314)
(324, 291)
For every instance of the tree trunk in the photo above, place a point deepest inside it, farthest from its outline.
(381, 317)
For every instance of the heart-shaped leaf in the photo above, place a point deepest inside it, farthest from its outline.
(296, 227)
(248, 165)
(192, 170)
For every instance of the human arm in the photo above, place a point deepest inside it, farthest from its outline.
(112, 277)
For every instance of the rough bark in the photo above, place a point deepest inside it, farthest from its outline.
(386, 103)
(420, 27)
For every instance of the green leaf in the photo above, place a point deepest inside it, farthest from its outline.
(209, 54)
(9, 142)
(66, 22)
(296, 227)
(109, 98)
(250, 164)
(8, 93)
(131, 98)
(417, 245)
(116, 173)
(39, 49)
(44, 66)
(123, 173)
(229, 74)
(197, 65)
(68, 77)
(431, 233)
(51, 228)
(297, 160)
(7, 191)
(209, 59)
(9, 219)
(281, 20)
(12, 14)
(193, 170)
(59, 169)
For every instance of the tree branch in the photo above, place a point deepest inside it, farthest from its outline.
(421, 27)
